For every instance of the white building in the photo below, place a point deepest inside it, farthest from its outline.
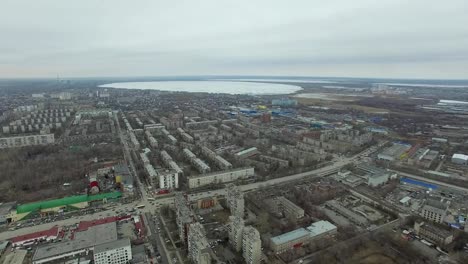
(236, 228)
(220, 177)
(251, 245)
(115, 252)
(235, 200)
(169, 180)
(375, 180)
(22, 141)
(198, 247)
(460, 159)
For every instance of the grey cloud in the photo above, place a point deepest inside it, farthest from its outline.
(386, 38)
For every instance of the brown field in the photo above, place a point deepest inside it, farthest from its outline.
(376, 258)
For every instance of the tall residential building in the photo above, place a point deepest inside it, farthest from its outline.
(251, 245)
(236, 227)
(114, 252)
(235, 200)
(184, 216)
(198, 248)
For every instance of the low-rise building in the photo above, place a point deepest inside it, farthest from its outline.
(83, 242)
(220, 177)
(460, 159)
(282, 206)
(393, 153)
(302, 236)
(435, 234)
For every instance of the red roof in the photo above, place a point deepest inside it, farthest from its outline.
(53, 232)
(84, 225)
(139, 226)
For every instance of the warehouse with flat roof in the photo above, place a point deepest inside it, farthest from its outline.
(302, 236)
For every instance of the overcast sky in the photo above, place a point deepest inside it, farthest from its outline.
(355, 38)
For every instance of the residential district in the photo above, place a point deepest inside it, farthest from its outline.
(375, 174)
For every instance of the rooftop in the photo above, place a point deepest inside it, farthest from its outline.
(460, 156)
(124, 242)
(6, 207)
(15, 257)
(36, 235)
(289, 236)
(320, 227)
(94, 235)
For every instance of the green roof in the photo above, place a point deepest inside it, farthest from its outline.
(29, 207)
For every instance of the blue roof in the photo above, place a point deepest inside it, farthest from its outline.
(419, 183)
(290, 236)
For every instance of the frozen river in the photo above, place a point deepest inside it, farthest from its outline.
(227, 87)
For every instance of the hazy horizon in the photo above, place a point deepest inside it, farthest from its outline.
(352, 39)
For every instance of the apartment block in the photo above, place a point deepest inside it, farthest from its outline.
(115, 252)
(236, 227)
(251, 245)
(235, 200)
(198, 248)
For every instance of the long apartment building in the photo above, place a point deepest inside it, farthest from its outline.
(220, 177)
(184, 216)
(282, 206)
(29, 140)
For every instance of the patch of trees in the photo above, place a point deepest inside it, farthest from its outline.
(38, 172)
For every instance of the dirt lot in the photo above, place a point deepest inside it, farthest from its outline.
(376, 258)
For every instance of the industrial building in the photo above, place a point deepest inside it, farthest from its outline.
(236, 227)
(83, 242)
(432, 233)
(72, 202)
(46, 235)
(220, 177)
(434, 211)
(5, 210)
(460, 159)
(235, 200)
(199, 251)
(348, 214)
(375, 176)
(302, 236)
(251, 245)
(394, 153)
(284, 102)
